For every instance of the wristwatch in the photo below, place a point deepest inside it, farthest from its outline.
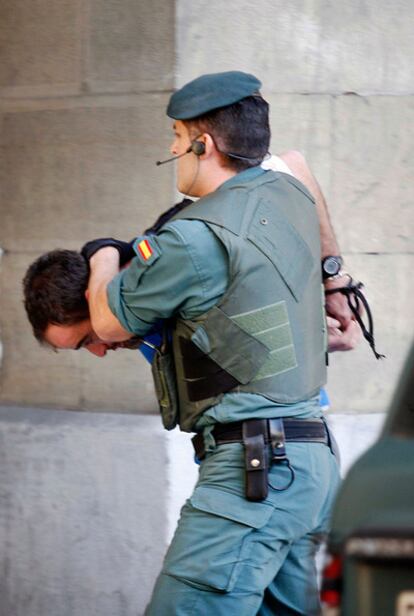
(331, 266)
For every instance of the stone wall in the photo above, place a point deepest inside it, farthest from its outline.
(82, 95)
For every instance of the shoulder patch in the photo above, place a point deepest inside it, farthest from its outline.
(147, 249)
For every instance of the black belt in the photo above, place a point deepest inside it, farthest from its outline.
(264, 444)
(296, 430)
(299, 430)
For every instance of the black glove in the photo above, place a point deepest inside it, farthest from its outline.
(125, 249)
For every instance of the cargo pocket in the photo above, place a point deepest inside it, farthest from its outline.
(214, 538)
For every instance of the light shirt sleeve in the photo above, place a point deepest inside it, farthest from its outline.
(186, 275)
(274, 163)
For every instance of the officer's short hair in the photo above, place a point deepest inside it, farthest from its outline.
(54, 290)
(241, 128)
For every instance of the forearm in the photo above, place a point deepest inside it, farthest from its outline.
(104, 265)
(344, 333)
(329, 244)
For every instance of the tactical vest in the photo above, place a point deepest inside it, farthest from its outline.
(267, 335)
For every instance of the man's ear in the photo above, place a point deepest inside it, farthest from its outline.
(210, 146)
(87, 295)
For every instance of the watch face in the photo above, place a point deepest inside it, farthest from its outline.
(331, 266)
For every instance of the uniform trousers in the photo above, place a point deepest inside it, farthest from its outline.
(231, 557)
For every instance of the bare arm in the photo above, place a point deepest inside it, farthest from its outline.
(299, 167)
(104, 266)
(344, 332)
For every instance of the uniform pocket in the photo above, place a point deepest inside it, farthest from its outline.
(214, 538)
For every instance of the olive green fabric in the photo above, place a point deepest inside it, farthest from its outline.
(268, 330)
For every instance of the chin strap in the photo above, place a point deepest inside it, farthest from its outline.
(355, 298)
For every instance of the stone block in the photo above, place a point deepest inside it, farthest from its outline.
(70, 175)
(357, 382)
(131, 45)
(83, 512)
(371, 183)
(303, 123)
(300, 47)
(40, 43)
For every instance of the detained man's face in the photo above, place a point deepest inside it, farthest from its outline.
(81, 336)
(187, 165)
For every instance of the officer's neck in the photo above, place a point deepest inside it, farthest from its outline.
(214, 177)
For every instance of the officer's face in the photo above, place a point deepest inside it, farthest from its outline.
(187, 165)
(79, 336)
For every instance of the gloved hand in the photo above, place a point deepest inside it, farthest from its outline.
(126, 252)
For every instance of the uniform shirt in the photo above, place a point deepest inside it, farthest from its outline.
(188, 277)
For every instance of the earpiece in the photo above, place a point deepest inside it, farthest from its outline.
(198, 147)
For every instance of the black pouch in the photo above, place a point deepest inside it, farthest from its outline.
(163, 373)
(256, 459)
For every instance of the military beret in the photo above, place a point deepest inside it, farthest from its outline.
(210, 92)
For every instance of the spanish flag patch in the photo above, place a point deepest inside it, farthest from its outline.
(147, 250)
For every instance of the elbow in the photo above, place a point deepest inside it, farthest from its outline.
(101, 329)
(109, 330)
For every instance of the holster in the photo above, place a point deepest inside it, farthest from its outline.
(163, 373)
(256, 459)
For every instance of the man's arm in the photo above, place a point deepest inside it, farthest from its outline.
(173, 277)
(344, 332)
(104, 265)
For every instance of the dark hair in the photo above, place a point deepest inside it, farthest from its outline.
(54, 290)
(242, 128)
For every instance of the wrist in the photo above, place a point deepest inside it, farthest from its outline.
(339, 280)
(331, 266)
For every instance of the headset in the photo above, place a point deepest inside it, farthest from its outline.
(197, 147)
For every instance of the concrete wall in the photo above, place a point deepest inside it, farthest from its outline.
(79, 532)
(83, 87)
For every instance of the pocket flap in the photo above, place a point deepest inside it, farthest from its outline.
(231, 506)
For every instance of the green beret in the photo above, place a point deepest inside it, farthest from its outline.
(210, 92)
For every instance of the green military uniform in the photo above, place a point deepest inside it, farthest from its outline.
(243, 287)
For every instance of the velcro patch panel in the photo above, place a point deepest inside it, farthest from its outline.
(271, 326)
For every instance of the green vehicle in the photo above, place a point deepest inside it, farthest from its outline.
(371, 545)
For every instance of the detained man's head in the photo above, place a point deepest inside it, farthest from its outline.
(55, 289)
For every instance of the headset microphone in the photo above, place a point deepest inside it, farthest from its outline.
(197, 147)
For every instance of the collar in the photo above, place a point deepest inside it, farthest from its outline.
(244, 176)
